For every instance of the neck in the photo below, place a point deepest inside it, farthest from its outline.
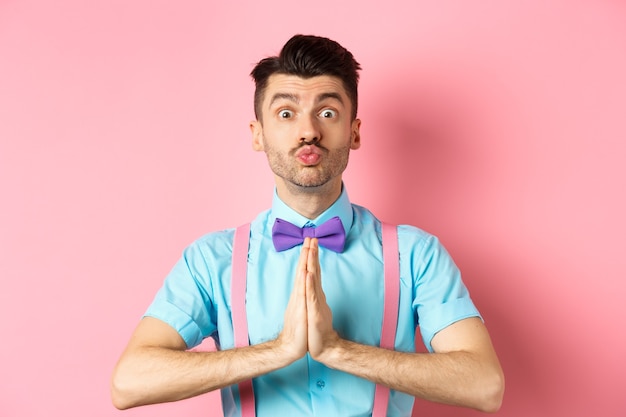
(309, 202)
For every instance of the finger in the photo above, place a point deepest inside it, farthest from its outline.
(300, 284)
(310, 296)
(313, 258)
(299, 287)
(313, 265)
(304, 254)
(296, 307)
(314, 273)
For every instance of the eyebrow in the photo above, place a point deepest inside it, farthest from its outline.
(295, 99)
(284, 96)
(331, 95)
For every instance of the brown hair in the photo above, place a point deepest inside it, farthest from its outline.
(308, 56)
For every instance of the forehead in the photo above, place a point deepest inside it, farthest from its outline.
(304, 88)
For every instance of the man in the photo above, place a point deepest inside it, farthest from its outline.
(314, 315)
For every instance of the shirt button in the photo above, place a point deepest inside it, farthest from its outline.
(321, 384)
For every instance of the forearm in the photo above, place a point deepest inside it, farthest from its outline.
(456, 378)
(147, 375)
(464, 372)
(157, 368)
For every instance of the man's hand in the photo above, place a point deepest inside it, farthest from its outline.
(308, 319)
(321, 335)
(465, 353)
(293, 337)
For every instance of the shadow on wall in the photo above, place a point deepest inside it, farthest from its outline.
(434, 168)
(423, 139)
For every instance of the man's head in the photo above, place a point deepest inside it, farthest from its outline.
(307, 57)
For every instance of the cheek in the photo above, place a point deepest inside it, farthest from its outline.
(281, 135)
(276, 130)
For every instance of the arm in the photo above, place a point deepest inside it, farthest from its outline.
(156, 368)
(464, 370)
(467, 374)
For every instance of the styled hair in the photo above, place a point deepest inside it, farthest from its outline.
(308, 56)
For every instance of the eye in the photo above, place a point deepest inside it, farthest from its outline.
(285, 114)
(328, 113)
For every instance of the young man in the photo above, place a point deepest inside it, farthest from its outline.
(314, 307)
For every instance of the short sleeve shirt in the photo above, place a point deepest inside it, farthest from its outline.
(195, 300)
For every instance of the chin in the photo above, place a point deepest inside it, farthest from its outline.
(310, 186)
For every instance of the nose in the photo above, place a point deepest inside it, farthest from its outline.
(308, 130)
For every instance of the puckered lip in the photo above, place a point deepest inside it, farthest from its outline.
(309, 149)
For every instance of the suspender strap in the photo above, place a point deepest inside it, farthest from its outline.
(390, 313)
(390, 310)
(238, 303)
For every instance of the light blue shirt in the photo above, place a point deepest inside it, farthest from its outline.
(195, 300)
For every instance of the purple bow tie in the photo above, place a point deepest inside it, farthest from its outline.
(330, 234)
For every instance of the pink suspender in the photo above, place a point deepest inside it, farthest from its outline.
(391, 261)
(238, 303)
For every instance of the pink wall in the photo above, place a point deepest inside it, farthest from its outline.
(497, 126)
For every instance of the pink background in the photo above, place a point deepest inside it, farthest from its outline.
(499, 126)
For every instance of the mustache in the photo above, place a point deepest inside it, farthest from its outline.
(315, 142)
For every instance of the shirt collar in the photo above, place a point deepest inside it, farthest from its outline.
(341, 208)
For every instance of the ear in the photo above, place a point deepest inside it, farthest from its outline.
(257, 135)
(355, 142)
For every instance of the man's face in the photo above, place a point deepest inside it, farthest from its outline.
(306, 130)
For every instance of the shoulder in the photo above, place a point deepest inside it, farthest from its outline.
(209, 251)
(219, 243)
(420, 244)
(219, 237)
(415, 237)
(408, 234)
